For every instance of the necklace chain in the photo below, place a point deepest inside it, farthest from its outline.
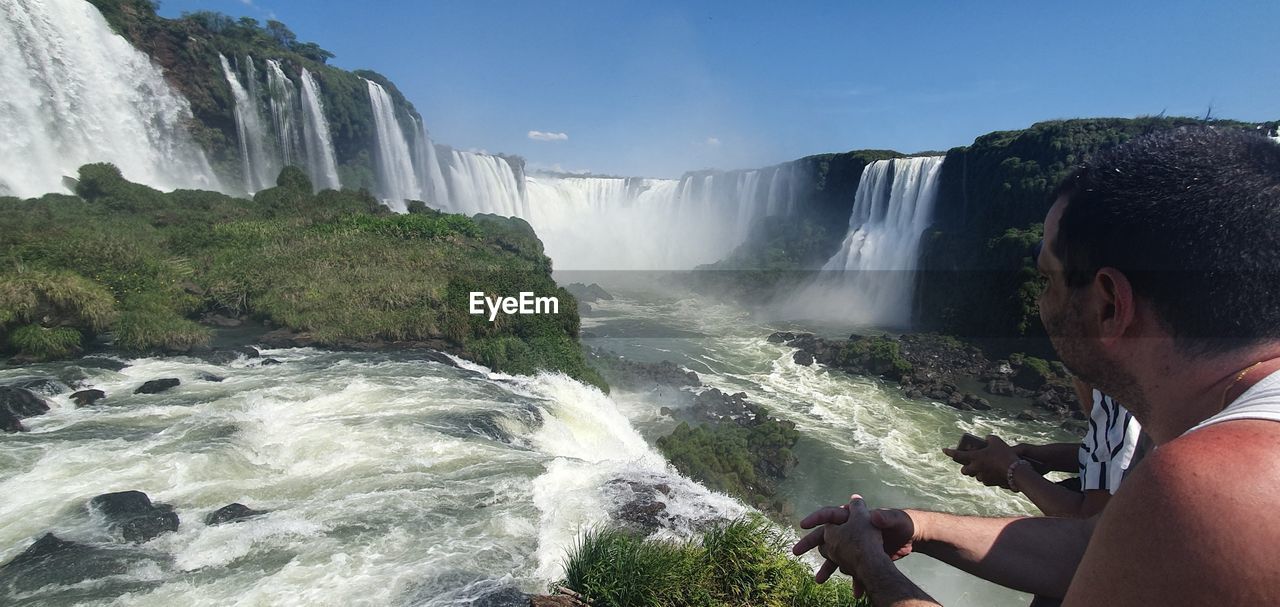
(1239, 376)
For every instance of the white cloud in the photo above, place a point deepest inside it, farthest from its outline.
(713, 141)
(548, 136)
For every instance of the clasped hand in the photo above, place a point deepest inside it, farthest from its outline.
(852, 538)
(990, 464)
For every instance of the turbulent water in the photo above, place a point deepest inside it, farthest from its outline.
(394, 480)
(75, 93)
(870, 280)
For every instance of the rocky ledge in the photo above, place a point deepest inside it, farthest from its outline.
(933, 367)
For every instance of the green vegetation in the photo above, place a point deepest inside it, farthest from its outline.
(338, 266)
(743, 562)
(741, 460)
(878, 355)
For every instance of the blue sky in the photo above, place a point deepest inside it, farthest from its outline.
(656, 88)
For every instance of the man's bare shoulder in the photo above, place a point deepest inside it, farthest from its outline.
(1192, 524)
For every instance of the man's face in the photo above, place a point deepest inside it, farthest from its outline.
(1062, 309)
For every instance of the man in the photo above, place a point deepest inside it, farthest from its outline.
(1162, 259)
(1102, 459)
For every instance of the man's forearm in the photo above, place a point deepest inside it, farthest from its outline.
(1050, 497)
(888, 587)
(1036, 555)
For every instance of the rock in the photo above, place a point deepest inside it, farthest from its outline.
(267, 362)
(229, 355)
(1078, 415)
(1000, 387)
(231, 513)
(287, 338)
(665, 411)
(802, 358)
(939, 395)
(588, 293)
(42, 386)
(132, 514)
(915, 394)
(1027, 415)
(555, 600)
(86, 398)
(17, 404)
(52, 560)
(210, 377)
(625, 373)
(956, 400)
(781, 337)
(440, 357)
(979, 403)
(157, 386)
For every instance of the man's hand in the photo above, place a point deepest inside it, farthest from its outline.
(990, 465)
(850, 537)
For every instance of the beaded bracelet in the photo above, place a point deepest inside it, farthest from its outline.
(1012, 468)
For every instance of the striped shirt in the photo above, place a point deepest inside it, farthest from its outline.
(1109, 446)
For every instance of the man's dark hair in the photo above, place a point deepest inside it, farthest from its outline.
(1192, 217)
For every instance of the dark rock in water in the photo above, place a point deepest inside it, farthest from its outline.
(43, 386)
(505, 597)
(231, 513)
(625, 373)
(1027, 415)
(781, 337)
(802, 357)
(17, 404)
(86, 398)
(287, 338)
(21, 402)
(588, 293)
(641, 508)
(957, 401)
(229, 355)
(440, 357)
(52, 560)
(98, 362)
(132, 514)
(977, 402)
(1079, 415)
(210, 377)
(667, 411)
(157, 386)
(267, 362)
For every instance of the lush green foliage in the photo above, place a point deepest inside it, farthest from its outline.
(879, 355)
(732, 458)
(336, 265)
(743, 562)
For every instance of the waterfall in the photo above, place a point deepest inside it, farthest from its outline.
(396, 176)
(481, 183)
(321, 164)
(870, 280)
(77, 93)
(260, 165)
(282, 96)
(427, 164)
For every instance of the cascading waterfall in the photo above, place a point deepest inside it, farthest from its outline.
(397, 178)
(869, 280)
(260, 164)
(282, 96)
(321, 162)
(480, 183)
(76, 93)
(427, 164)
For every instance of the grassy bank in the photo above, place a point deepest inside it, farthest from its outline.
(743, 562)
(143, 266)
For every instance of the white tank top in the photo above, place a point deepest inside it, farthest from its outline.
(1260, 401)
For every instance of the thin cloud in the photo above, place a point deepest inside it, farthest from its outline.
(713, 141)
(548, 136)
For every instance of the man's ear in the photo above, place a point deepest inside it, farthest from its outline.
(1114, 311)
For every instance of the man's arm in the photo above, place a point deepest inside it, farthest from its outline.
(1054, 499)
(1036, 555)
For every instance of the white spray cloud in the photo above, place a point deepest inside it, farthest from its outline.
(713, 141)
(548, 136)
